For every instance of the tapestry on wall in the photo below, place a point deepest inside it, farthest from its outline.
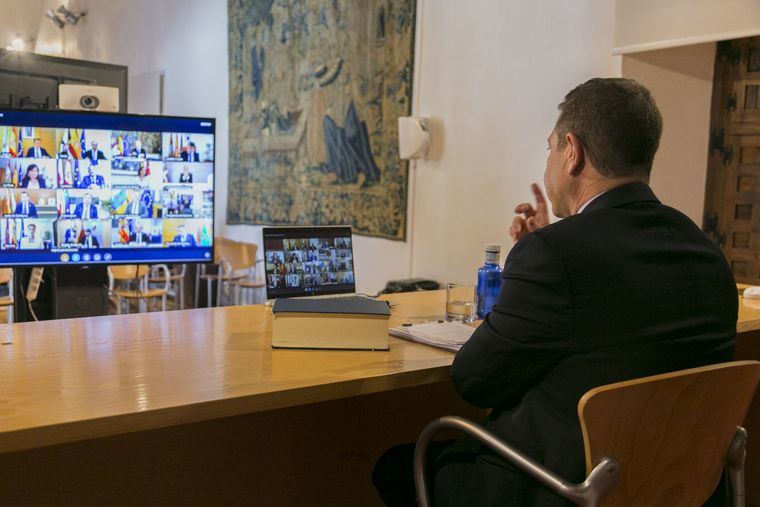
(316, 89)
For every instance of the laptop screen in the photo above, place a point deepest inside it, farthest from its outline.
(306, 261)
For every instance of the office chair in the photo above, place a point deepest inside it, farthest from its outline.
(659, 440)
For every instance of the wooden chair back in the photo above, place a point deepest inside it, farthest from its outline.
(128, 271)
(238, 255)
(5, 275)
(221, 246)
(670, 433)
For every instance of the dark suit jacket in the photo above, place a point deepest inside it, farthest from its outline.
(88, 155)
(79, 211)
(43, 152)
(186, 157)
(87, 181)
(628, 288)
(25, 182)
(188, 241)
(20, 210)
(143, 237)
(83, 241)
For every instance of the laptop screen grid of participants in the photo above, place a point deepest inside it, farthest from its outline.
(303, 261)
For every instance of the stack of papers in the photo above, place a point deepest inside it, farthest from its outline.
(444, 335)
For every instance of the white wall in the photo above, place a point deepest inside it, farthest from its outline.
(490, 72)
(680, 80)
(646, 25)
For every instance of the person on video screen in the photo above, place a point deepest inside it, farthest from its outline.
(89, 240)
(139, 236)
(190, 154)
(86, 210)
(93, 154)
(186, 176)
(32, 178)
(31, 240)
(138, 150)
(183, 237)
(136, 205)
(92, 180)
(26, 207)
(37, 151)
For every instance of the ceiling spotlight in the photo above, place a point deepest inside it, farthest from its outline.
(71, 17)
(54, 18)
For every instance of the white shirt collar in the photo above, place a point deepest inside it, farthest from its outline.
(580, 210)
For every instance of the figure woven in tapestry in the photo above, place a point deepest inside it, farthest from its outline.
(316, 89)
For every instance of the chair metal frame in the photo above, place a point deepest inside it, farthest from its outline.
(142, 288)
(602, 466)
(599, 483)
(176, 290)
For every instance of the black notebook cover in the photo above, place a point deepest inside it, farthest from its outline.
(361, 306)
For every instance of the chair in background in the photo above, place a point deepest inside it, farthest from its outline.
(660, 440)
(237, 265)
(177, 275)
(6, 278)
(250, 286)
(235, 261)
(134, 278)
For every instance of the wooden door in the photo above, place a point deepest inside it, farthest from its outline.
(732, 197)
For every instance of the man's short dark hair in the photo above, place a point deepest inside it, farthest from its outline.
(618, 123)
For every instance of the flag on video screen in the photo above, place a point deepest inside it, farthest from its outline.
(118, 199)
(76, 173)
(12, 143)
(20, 148)
(147, 198)
(82, 149)
(73, 148)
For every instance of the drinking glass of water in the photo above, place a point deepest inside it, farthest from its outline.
(461, 303)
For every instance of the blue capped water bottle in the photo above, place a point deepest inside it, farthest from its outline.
(489, 281)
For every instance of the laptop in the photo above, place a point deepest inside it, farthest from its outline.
(309, 261)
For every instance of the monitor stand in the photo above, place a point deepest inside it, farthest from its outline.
(65, 292)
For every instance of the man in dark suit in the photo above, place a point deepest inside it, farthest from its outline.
(93, 154)
(25, 208)
(92, 180)
(136, 205)
(85, 209)
(88, 240)
(190, 155)
(183, 238)
(37, 151)
(623, 287)
(138, 236)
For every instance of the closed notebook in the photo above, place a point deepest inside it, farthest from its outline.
(340, 323)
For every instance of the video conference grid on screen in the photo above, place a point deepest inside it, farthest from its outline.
(90, 194)
(317, 264)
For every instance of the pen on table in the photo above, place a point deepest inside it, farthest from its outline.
(423, 322)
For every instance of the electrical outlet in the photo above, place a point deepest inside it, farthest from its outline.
(34, 284)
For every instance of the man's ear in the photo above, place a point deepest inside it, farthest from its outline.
(574, 154)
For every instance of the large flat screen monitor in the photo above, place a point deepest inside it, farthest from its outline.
(100, 188)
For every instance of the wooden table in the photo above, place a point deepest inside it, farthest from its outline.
(195, 406)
